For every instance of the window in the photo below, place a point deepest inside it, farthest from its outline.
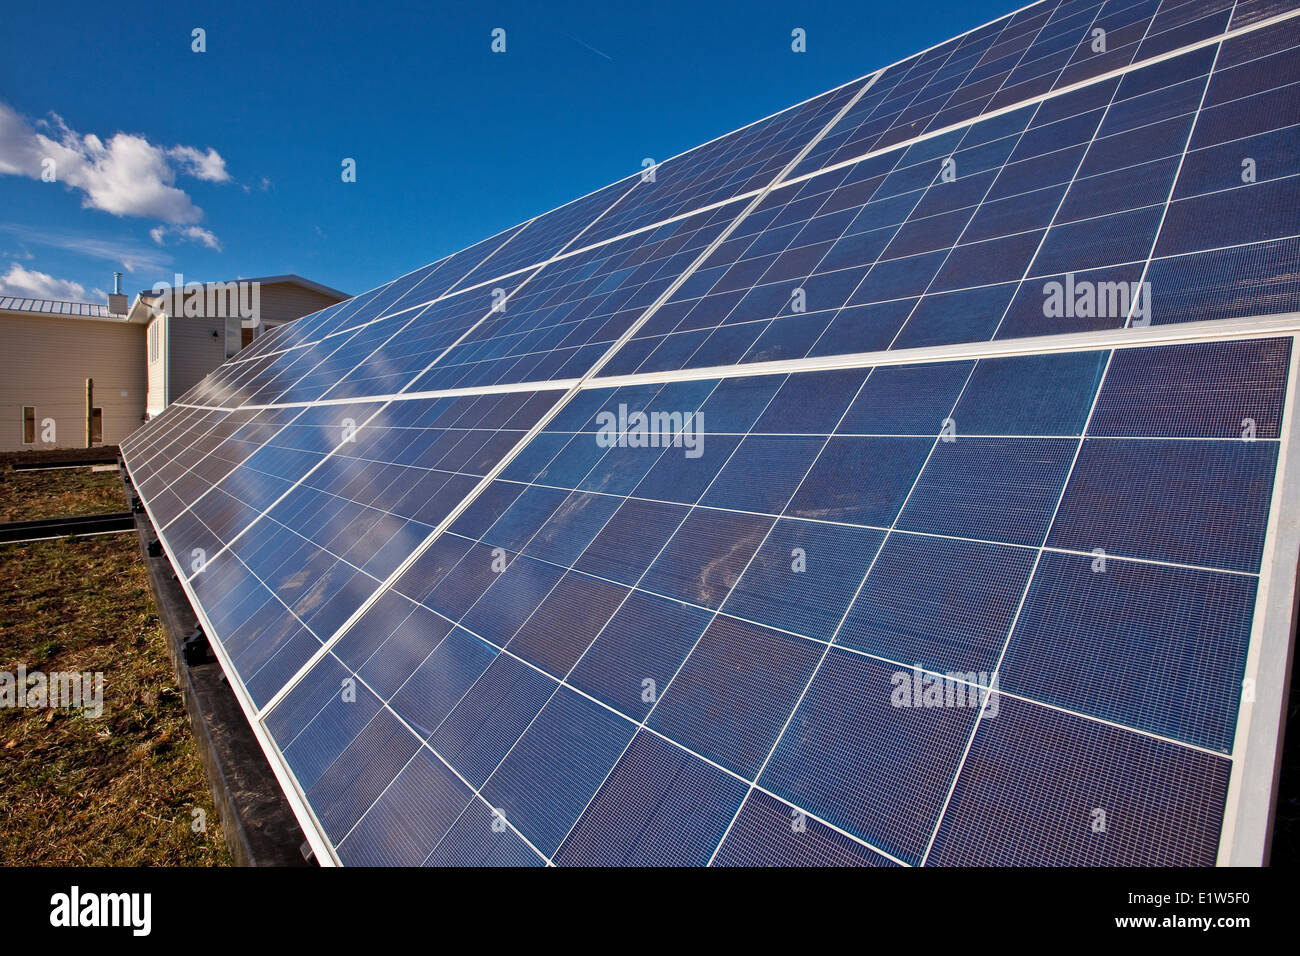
(29, 424)
(96, 426)
(153, 342)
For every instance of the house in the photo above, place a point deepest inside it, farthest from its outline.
(78, 374)
(190, 329)
(51, 350)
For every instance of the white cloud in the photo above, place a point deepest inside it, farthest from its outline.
(20, 153)
(30, 284)
(132, 256)
(198, 234)
(127, 176)
(209, 166)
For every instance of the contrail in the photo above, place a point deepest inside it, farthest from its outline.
(589, 47)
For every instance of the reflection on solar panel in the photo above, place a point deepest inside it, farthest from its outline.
(898, 480)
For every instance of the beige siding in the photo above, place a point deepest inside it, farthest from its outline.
(194, 348)
(283, 301)
(278, 303)
(47, 362)
(195, 351)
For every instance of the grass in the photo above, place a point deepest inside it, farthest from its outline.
(59, 492)
(119, 789)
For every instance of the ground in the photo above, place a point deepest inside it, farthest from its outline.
(59, 492)
(120, 789)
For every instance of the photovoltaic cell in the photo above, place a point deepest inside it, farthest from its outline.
(1051, 771)
(1171, 643)
(770, 832)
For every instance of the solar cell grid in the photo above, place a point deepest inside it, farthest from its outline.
(892, 255)
(230, 440)
(321, 513)
(345, 315)
(540, 238)
(1163, 804)
(734, 165)
(158, 464)
(221, 386)
(568, 314)
(562, 623)
(1048, 49)
(673, 610)
(726, 168)
(770, 832)
(416, 288)
(1171, 643)
(271, 469)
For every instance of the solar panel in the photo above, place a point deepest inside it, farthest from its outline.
(897, 480)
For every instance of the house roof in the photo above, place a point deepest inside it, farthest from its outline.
(81, 310)
(142, 308)
(93, 310)
(289, 278)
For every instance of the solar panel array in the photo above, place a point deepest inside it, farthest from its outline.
(762, 508)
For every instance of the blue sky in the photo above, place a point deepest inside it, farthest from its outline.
(227, 163)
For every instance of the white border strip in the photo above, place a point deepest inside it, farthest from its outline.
(1261, 720)
(1240, 328)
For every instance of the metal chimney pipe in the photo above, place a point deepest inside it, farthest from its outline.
(117, 304)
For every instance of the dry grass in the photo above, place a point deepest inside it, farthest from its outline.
(58, 493)
(115, 790)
